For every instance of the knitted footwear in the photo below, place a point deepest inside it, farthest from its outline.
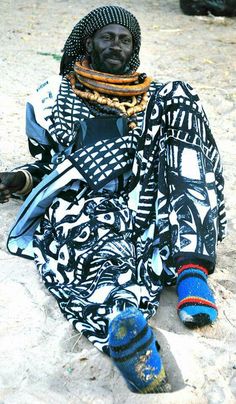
(134, 351)
(196, 304)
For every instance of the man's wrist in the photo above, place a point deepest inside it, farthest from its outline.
(27, 187)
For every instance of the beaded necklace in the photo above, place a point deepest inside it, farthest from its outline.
(108, 93)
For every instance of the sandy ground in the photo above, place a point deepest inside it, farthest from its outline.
(42, 359)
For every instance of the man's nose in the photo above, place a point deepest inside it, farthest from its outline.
(116, 43)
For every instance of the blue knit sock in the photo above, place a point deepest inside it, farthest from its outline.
(196, 304)
(134, 351)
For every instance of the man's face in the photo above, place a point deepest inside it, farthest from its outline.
(110, 49)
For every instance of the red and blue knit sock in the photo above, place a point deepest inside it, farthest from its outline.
(134, 351)
(196, 304)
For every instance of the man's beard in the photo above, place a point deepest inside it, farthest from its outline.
(100, 65)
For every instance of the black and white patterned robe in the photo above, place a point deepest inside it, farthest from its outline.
(107, 222)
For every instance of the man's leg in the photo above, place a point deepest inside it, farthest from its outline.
(134, 351)
(196, 304)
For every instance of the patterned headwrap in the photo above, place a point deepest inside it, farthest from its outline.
(75, 49)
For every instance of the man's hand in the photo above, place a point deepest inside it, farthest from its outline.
(10, 182)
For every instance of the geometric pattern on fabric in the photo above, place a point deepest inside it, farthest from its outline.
(87, 260)
(189, 209)
(174, 208)
(103, 161)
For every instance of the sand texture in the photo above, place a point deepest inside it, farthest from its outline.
(42, 359)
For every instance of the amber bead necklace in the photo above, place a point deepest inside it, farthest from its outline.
(109, 92)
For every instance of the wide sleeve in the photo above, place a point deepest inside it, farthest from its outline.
(38, 126)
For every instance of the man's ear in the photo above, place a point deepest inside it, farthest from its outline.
(89, 45)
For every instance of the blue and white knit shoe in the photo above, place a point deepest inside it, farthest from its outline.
(134, 352)
(196, 304)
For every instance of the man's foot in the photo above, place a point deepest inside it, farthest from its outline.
(135, 352)
(196, 304)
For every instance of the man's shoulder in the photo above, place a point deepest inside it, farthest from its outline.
(172, 88)
(52, 83)
(159, 84)
(46, 92)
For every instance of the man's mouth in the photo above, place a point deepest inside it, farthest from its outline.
(113, 59)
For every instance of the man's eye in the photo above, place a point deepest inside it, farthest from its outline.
(127, 40)
(106, 37)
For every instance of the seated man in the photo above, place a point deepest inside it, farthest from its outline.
(126, 195)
